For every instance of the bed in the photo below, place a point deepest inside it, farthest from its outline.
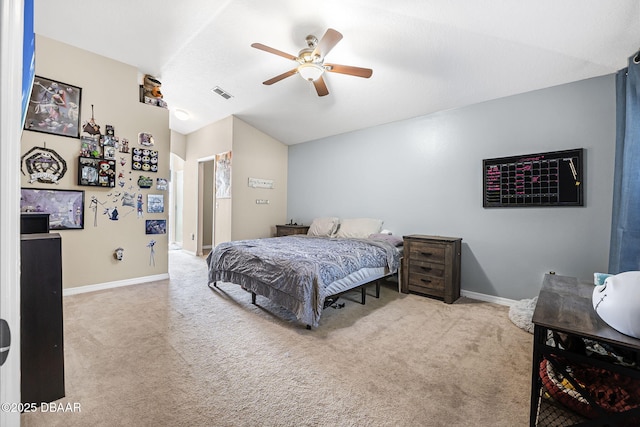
(300, 272)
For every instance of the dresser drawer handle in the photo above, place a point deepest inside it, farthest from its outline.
(426, 268)
(425, 280)
(426, 253)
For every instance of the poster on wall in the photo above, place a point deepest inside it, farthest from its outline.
(54, 107)
(155, 226)
(223, 175)
(65, 207)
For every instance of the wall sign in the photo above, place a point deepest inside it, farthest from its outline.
(260, 183)
(543, 179)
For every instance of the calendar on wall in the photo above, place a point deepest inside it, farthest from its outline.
(543, 179)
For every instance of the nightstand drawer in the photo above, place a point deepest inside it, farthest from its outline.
(427, 252)
(427, 269)
(426, 285)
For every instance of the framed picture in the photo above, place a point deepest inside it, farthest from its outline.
(54, 107)
(155, 226)
(155, 203)
(223, 175)
(65, 207)
(96, 172)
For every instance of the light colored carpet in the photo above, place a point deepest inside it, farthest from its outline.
(176, 353)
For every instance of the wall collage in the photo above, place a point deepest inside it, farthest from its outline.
(105, 160)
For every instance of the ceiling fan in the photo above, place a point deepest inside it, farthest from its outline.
(311, 61)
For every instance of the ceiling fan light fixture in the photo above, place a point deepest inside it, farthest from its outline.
(310, 72)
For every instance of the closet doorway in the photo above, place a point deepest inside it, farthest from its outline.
(206, 205)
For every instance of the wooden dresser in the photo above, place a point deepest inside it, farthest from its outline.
(287, 230)
(431, 266)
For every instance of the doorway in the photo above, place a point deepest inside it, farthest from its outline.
(206, 205)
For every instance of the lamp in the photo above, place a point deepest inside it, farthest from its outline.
(310, 71)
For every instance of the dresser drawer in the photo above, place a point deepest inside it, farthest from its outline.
(429, 285)
(427, 252)
(423, 268)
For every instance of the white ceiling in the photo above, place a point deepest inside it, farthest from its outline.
(426, 55)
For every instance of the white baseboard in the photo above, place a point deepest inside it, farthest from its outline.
(487, 298)
(116, 284)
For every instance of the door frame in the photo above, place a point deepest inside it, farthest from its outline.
(11, 36)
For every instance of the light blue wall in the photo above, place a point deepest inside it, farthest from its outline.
(424, 175)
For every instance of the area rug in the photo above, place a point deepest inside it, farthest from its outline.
(521, 313)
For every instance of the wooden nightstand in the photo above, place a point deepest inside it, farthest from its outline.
(287, 230)
(431, 266)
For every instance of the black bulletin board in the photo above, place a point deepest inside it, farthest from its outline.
(544, 179)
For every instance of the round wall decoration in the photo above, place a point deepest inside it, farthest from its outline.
(43, 165)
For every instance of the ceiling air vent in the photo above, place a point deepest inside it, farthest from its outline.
(221, 92)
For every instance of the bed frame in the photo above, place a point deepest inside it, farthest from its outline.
(362, 287)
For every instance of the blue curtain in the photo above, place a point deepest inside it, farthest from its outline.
(624, 252)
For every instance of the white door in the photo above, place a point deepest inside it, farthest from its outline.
(11, 28)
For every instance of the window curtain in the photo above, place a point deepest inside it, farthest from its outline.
(624, 252)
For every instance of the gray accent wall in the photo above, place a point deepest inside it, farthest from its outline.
(424, 176)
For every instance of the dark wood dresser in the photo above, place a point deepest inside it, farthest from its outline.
(41, 328)
(431, 266)
(287, 230)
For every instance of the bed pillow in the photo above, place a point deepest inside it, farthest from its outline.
(359, 228)
(389, 238)
(324, 227)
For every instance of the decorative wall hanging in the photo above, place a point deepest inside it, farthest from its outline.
(129, 199)
(112, 213)
(94, 206)
(223, 175)
(109, 147)
(139, 204)
(150, 245)
(43, 165)
(145, 139)
(156, 226)
(124, 145)
(161, 184)
(54, 107)
(91, 127)
(144, 159)
(96, 172)
(145, 182)
(90, 146)
(155, 203)
(150, 92)
(65, 207)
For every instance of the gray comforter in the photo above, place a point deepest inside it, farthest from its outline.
(294, 271)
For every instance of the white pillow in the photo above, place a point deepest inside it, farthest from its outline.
(323, 226)
(359, 228)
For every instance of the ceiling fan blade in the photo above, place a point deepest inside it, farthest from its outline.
(280, 77)
(327, 42)
(321, 86)
(274, 51)
(348, 69)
